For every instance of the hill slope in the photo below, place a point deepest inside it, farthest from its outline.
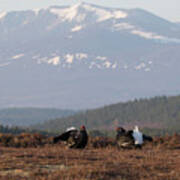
(157, 112)
(30, 116)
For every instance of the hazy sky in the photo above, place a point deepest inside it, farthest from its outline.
(169, 9)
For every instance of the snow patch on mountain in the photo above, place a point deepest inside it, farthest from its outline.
(4, 64)
(103, 15)
(64, 14)
(107, 64)
(69, 58)
(114, 66)
(81, 17)
(76, 13)
(54, 61)
(18, 56)
(2, 14)
(122, 26)
(67, 13)
(151, 35)
(71, 13)
(99, 62)
(147, 35)
(81, 56)
(76, 28)
(140, 66)
(119, 14)
(64, 59)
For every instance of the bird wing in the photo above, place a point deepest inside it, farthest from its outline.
(125, 140)
(64, 136)
(120, 134)
(147, 138)
(74, 139)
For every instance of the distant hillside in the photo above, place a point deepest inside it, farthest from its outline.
(158, 112)
(30, 116)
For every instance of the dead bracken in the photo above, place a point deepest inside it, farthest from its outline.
(101, 159)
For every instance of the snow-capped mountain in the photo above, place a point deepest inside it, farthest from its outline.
(85, 56)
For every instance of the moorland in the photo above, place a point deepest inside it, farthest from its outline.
(100, 160)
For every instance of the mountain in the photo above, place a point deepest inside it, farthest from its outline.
(30, 116)
(155, 113)
(86, 56)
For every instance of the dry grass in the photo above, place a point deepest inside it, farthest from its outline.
(159, 160)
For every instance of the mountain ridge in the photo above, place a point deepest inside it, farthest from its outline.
(85, 59)
(29, 116)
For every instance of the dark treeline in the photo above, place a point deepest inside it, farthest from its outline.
(12, 130)
(159, 113)
(17, 130)
(92, 133)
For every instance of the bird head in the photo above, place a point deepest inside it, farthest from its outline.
(120, 129)
(82, 128)
(136, 128)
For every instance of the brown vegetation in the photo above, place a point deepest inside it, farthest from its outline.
(41, 160)
(22, 140)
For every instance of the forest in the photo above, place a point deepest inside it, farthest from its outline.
(157, 114)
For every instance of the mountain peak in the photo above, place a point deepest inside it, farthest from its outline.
(79, 11)
(85, 55)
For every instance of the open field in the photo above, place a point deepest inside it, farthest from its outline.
(158, 161)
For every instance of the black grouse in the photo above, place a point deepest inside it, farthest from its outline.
(74, 138)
